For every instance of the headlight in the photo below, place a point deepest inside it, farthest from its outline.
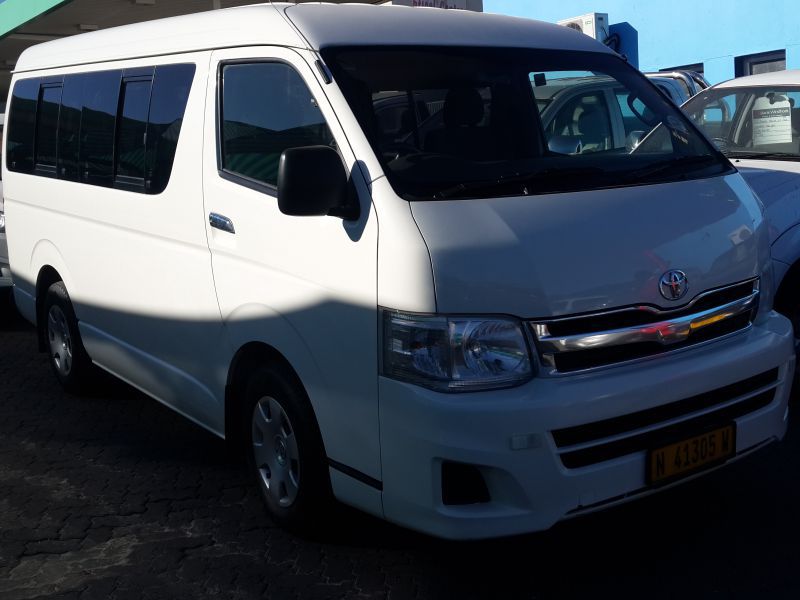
(454, 354)
(2, 222)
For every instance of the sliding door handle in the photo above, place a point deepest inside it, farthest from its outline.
(222, 222)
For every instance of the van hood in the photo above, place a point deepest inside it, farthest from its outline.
(560, 254)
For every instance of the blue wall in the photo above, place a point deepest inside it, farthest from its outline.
(680, 32)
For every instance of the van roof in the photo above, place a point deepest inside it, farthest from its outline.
(306, 25)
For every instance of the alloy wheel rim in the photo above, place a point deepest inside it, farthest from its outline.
(275, 451)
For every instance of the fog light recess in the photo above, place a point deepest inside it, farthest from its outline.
(463, 484)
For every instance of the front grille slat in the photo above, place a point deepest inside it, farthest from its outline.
(652, 439)
(590, 432)
(590, 341)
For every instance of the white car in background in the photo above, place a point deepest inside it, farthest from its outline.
(755, 122)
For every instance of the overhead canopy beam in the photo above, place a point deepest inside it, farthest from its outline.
(15, 13)
(34, 37)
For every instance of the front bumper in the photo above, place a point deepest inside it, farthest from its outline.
(507, 434)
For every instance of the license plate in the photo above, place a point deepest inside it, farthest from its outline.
(687, 456)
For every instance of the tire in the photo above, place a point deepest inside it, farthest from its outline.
(285, 452)
(67, 356)
(794, 317)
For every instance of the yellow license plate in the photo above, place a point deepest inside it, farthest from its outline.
(684, 457)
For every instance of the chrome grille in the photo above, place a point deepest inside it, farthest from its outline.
(604, 338)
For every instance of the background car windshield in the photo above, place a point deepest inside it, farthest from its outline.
(750, 122)
(466, 123)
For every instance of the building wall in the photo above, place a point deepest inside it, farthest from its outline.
(681, 32)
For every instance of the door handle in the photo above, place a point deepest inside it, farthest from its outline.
(222, 222)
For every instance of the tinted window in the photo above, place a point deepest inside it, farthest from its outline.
(132, 129)
(69, 127)
(266, 108)
(167, 106)
(22, 125)
(101, 128)
(513, 121)
(101, 94)
(47, 127)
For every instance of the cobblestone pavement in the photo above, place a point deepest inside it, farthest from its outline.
(110, 495)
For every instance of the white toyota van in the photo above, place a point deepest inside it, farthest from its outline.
(247, 215)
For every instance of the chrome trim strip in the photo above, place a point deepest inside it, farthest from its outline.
(656, 312)
(549, 368)
(666, 332)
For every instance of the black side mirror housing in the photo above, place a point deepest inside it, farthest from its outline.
(312, 182)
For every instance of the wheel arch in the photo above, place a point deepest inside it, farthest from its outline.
(247, 358)
(787, 296)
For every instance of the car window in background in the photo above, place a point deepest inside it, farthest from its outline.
(631, 122)
(750, 122)
(469, 123)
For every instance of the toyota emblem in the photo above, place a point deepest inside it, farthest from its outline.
(673, 285)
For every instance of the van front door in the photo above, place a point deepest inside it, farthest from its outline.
(304, 286)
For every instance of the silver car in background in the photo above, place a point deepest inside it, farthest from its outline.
(755, 122)
(679, 85)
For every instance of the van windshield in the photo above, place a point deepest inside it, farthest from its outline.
(475, 123)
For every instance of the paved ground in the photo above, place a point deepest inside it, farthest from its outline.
(112, 496)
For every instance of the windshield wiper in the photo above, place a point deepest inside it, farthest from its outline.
(470, 186)
(764, 155)
(679, 163)
(526, 181)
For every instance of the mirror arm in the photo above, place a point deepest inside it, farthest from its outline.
(347, 212)
(349, 209)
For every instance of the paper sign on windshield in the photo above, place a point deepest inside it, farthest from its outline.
(772, 123)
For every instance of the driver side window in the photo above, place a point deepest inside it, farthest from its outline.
(265, 108)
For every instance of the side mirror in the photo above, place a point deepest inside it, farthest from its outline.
(312, 182)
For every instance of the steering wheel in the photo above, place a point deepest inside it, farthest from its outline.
(721, 143)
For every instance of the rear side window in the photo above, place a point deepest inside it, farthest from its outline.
(98, 119)
(22, 125)
(266, 108)
(69, 127)
(109, 128)
(46, 127)
(167, 105)
(132, 131)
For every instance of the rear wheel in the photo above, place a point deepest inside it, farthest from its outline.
(68, 359)
(285, 451)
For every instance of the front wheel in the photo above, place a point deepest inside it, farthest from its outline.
(68, 359)
(285, 451)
